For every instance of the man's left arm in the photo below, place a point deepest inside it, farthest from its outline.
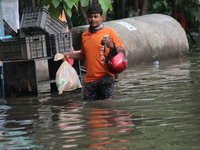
(112, 45)
(120, 49)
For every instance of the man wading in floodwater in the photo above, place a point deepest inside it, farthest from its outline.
(99, 82)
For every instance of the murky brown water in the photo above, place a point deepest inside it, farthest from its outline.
(156, 107)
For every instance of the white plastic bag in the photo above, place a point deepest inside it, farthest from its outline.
(58, 56)
(67, 78)
(10, 11)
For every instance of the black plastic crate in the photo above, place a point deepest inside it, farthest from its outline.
(23, 48)
(58, 43)
(37, 20)
(2, 90)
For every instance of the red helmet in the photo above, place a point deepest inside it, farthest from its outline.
(117, 64)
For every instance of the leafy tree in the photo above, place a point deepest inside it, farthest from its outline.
(162, 7)
(191, 10)
(57, 6)
(75, 9)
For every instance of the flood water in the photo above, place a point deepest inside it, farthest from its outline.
(156, 107)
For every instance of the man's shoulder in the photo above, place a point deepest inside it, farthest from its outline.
(86, 32)
(108, 29)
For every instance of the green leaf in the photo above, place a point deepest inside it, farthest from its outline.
(67, 10)
(46, 2)
(76, 6)
(69, 3)
(55, 12)
(105, 4)
(102, 5)
(165, 4)
(111, 7)
(84, 3)
(69, 13)
(56, 3)
(75, 2)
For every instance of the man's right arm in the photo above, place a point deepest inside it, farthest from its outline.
(77, 56)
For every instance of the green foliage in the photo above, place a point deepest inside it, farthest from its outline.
(161, 6)
(56, 6)
(84, 3)
(76, 18)
(46, 2)
(75, 2)
(105, 4)
(55, 11)
(191, 10)
(56, 3)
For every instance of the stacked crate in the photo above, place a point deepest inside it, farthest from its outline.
(42, 37)
(58, 43)
(29, 47)
(37, 21)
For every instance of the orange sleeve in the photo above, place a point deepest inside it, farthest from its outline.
(115, 39)
(82, 49)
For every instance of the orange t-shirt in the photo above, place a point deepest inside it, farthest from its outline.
(94, 53)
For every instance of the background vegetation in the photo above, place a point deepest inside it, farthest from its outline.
(118, 9)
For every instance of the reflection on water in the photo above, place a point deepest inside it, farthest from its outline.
(155, 107)
(14, 130)
(104, 120)
(100, 122)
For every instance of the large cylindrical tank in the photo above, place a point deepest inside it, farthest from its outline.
(146, 38)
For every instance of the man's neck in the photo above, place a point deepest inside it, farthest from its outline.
(95, 27)
(93, 30)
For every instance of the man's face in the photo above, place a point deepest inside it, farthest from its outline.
(94, 20)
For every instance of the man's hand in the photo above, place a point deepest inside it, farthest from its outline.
(66, 55)
(77, 56)
(106, 41)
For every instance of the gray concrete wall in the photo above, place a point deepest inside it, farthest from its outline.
(146, 38)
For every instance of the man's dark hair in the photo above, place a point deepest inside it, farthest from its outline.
(95, 10)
